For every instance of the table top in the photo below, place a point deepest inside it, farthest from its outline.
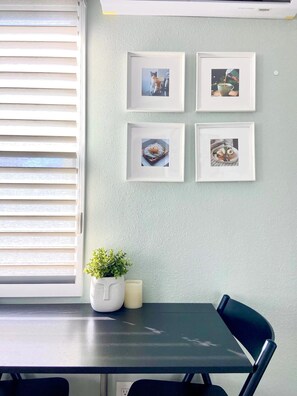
(157, 338)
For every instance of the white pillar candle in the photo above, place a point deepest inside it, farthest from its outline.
(133, 294)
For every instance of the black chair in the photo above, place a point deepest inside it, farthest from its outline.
(54, 386)
(251, 329)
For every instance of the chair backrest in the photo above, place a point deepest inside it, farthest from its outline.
(254, 332)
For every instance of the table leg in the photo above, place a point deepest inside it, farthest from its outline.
(103, 384)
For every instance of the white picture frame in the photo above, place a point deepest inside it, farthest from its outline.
(225, 152)
(155, 152)
(225, 81)
(155, 81)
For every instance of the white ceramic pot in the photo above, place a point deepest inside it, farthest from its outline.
(107, 294)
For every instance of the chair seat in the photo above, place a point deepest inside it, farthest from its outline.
(35, 387)
(171, 388)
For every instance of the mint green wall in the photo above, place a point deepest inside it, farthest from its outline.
(194, 241)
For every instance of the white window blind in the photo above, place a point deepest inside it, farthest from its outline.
(41, 147)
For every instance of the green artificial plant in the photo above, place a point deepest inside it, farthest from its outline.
(106, 263)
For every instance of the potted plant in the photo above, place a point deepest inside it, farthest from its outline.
(107, 270)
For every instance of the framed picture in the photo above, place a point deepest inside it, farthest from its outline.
(155, 152)
(225, 152)
(156, 81)
(225, 81)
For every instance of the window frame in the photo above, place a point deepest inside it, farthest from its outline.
(60, 289)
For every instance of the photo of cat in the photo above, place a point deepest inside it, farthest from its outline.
(155, 82)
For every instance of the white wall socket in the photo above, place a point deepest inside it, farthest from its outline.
(123, 388)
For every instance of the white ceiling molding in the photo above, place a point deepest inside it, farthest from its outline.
(278, 9)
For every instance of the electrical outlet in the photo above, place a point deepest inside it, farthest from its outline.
(123, 388)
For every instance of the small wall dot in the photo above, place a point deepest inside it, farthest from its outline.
(275, 72)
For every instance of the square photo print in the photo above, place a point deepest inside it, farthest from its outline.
(225, 152)
(225, 81)
(156, 81)
(155, 152)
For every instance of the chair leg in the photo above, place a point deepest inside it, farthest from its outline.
(206, 379)
(16, 376)
(188, 377)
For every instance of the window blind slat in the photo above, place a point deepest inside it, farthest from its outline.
(29, 215)
(37, 144)
(36, 160)
(38, 80)
(37, 176)
(32, 49)
(36, 239)
(37, 18)
(33, 192)
(34, 275)
(38, 65)
(37, 224)
(42, 34)
(37, 256)
(38, 96)
(38, 127)
(37, 208)
(41, 112)
(27, 282)
(32, 5)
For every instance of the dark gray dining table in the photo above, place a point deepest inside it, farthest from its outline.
(157, 338)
